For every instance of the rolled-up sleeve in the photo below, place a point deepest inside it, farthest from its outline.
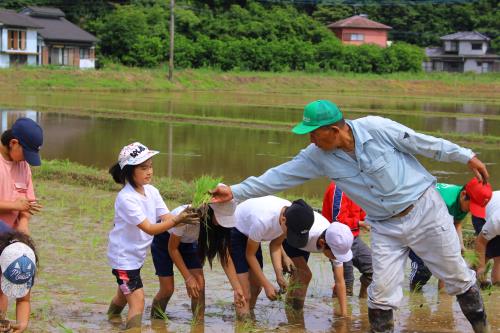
(295, 172)
(407, 140)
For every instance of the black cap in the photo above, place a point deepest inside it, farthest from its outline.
(30, 136)
(299, 220)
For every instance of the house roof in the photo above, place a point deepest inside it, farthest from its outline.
(43, 11)
(57, 28)
(13, 19)
(358, 21)
(465, 35)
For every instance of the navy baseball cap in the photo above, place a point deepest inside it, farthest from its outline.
(30, 136)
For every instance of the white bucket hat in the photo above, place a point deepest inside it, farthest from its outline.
(224, 212)
(134, 154)
(18, 269)
(339, 238)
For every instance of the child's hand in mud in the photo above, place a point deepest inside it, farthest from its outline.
(187, 216)
(282, 283)
(271, 292)
(192, 287)
(18, 328)
(239, 298)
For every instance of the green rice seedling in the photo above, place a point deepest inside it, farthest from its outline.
(64, 328)
(201, 187)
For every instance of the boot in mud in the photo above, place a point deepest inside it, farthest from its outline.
(134, 323)
(381, 321)
(114, 310)
(366, 280)
(472, 306)
(158, 308)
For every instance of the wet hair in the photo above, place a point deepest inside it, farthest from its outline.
(13, 236)
(7, 136)
(123, 176)
(214, 239)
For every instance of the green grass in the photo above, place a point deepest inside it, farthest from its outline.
(121, 78)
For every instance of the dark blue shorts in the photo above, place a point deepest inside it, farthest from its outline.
(4, 227)
(238, 251)
(164, 266)
(493, 247)
(293, 252)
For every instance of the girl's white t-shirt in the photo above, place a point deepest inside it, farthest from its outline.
(491, 228)
(128, 245)
(188, 233)
(259, 218)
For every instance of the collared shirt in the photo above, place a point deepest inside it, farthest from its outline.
(384, 179)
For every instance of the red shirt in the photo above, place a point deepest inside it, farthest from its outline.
(337, 206)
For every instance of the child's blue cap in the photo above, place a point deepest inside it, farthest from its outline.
(30, 136)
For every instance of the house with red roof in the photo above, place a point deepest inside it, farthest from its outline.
(358, 29)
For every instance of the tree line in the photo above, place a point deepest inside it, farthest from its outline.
(271, 35)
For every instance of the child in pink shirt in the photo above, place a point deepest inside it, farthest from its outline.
(18, 150)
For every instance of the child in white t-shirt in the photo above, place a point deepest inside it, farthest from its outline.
(190, 245)
(266, 219)
(137, 208)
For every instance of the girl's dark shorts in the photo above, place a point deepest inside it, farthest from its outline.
(238, 251)
(128, 280)
(164, 266)
(293, 252)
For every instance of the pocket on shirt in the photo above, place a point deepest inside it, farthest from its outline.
(21, 187)
(380, 172)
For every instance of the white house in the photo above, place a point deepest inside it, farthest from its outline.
(462, 52)
(18, 43)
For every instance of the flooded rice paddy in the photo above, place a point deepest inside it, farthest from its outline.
(75, 284)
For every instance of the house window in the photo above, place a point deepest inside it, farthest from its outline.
(18, 59)
(479, 63)
(16, 40)
(357, 37)
(84, 53)
(477, 46)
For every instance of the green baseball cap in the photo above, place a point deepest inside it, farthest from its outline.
(316, 114)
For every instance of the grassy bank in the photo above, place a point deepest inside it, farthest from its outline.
(121, 78)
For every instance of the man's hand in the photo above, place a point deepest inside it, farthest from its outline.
(271, 292)
(35, 207)
(222, 193)
(479, 169)
(187, 216)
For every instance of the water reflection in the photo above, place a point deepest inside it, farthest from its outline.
(189, 150)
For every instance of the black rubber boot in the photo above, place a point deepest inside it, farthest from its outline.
(381, 321)
(472, 306)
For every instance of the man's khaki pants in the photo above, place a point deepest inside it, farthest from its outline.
(428, 230)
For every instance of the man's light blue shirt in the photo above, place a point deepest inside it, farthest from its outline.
(384, 178)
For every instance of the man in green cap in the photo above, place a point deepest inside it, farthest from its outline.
(372, 160)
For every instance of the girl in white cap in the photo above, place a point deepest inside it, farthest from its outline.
(188, 247)
(137, 208)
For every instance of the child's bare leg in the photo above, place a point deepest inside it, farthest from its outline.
(495, 272)
(135, 301)
(298, 284)
(117, 304)
(255, 289)
(198, 304)
(243, 313)
(4, 304)
(161, 299)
